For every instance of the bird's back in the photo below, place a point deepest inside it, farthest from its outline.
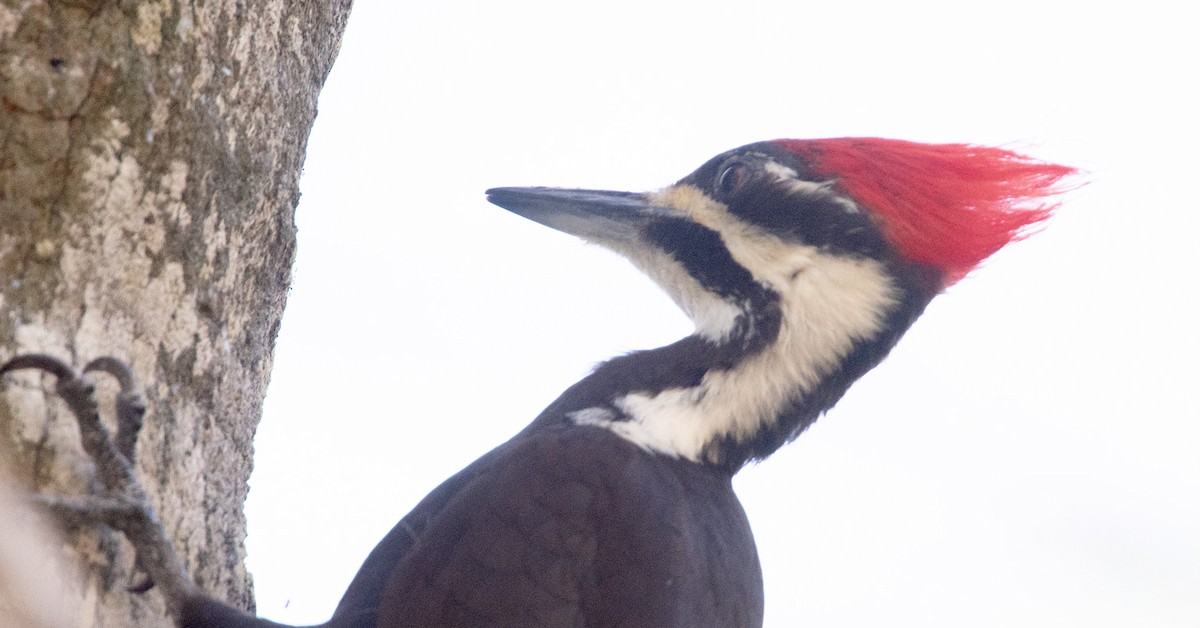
(569, 526)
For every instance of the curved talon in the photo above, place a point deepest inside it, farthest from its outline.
(131, 406)
(115, 367)
(123, 504)
(48, 363)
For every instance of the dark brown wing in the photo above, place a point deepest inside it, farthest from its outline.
(568, 527)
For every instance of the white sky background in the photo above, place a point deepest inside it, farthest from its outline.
(1026, 457)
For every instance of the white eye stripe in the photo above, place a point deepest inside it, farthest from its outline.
(780, 170)
(821, 189)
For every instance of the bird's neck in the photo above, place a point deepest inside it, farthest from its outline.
(726, 399)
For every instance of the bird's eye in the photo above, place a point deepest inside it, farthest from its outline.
(732, 179)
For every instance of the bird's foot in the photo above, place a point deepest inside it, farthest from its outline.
(122, 503)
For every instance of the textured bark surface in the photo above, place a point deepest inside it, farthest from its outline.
(149, 159)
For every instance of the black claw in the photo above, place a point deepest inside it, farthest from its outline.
(131, 407)
(77, 391)
(123, 505)
(48, 363)
(117, 368)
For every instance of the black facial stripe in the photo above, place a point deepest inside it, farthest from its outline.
(702, 252)
(683, 364)
(813, 218)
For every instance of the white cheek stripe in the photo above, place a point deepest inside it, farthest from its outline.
(824, 189)
(828, 302)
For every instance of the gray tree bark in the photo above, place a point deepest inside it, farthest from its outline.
(150, 152)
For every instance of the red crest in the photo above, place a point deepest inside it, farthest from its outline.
(947, 205)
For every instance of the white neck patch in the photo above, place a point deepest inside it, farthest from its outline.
(827, 301)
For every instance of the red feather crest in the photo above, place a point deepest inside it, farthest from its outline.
(947, 205)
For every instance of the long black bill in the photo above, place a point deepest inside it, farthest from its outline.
(594, 215)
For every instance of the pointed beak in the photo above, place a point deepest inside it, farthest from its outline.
(594, 215)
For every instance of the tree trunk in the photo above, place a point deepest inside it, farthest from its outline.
(150, 153)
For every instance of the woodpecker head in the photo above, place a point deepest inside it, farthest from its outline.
(801, 263)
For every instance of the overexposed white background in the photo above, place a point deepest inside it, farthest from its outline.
(1028, 456)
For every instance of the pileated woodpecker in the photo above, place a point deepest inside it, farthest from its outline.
(801, 262)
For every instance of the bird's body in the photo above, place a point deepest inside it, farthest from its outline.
(615, 507)
(572, 526)
(801, 263)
